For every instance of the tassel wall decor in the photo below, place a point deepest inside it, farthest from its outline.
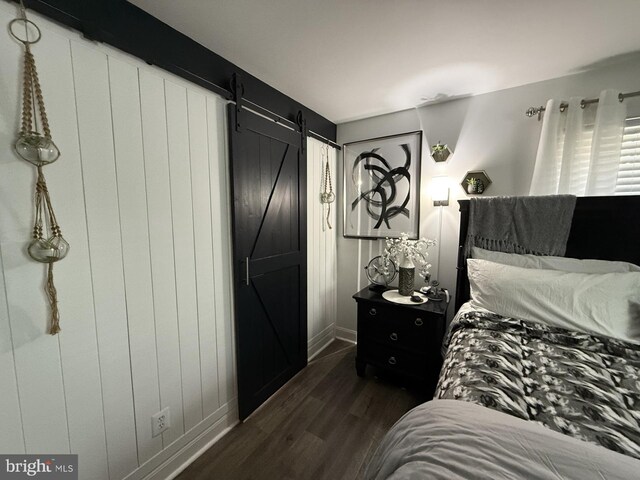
(36, 146)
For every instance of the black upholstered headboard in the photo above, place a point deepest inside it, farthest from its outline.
(606, 228)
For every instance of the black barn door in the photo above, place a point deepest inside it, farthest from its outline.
(269, 237)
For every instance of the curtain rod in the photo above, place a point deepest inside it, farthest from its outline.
(531, 111)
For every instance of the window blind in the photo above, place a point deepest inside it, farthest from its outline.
(628, 182)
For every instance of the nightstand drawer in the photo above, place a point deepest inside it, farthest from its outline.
(395, 327)
(395, 359)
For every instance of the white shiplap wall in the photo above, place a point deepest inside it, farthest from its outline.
(321, 267)
(145, 298)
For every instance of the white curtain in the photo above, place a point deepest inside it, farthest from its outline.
(579, 149)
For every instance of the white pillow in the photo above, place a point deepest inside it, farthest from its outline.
(554, 263)
(607, 303)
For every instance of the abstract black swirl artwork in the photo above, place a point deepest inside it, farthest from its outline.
(381, 180)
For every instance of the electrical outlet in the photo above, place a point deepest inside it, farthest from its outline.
(160, 422)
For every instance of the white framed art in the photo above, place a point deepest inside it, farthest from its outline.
(382, 186)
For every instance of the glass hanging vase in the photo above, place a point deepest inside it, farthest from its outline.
(37, 149)
(50, 250)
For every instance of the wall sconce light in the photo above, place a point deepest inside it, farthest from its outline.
(440, 191)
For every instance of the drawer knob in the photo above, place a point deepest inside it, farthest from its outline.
(372, 312)
(392, 360)
(418, 322)
(393, 336)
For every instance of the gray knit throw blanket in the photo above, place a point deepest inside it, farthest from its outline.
(537, 225)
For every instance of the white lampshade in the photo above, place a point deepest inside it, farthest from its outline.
(440, 191)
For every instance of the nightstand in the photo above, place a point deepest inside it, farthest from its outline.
(402, 339)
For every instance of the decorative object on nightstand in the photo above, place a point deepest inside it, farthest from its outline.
(475, 182)
(403, 339)
(435, 293)
(407, 276)
(394, 296)
(407, 253)
(440, 152)
(380, 272)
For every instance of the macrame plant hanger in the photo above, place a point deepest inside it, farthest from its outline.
(36, 146)
(326, 196)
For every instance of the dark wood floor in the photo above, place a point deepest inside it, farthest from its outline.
(324, 424)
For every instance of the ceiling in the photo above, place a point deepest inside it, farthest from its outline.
(350, 59)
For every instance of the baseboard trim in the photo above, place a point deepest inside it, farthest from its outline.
(174, 459)
(168, 463)
(321, 341)
(347, 335)
(320, 350)
(204, 441)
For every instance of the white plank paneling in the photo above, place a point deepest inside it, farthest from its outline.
(93, 106)
(221, 235)
(142, 194)
(180, 179)
(324, 232)
(332, 260)
(78, 342)
(36, 354)
(201, 199)
(321, 258)
(313, 239)
(127, 135)
(156, 160)
(12, 439)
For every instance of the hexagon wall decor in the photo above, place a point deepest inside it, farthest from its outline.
(475, 182)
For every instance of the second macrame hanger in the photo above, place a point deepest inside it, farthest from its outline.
(327, 196)
(35, 145)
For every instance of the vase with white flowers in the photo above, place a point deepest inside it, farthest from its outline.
(408, 254)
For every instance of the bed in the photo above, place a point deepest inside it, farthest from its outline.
(531, 394)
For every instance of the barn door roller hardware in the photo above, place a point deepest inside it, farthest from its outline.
(237, 89)
(301, 121)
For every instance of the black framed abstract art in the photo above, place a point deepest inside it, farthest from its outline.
(382, 186)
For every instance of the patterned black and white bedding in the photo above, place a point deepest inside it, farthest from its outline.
(582, 385)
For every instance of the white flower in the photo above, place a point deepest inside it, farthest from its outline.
(399, 249)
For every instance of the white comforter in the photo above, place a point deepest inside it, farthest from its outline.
(450, 439)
